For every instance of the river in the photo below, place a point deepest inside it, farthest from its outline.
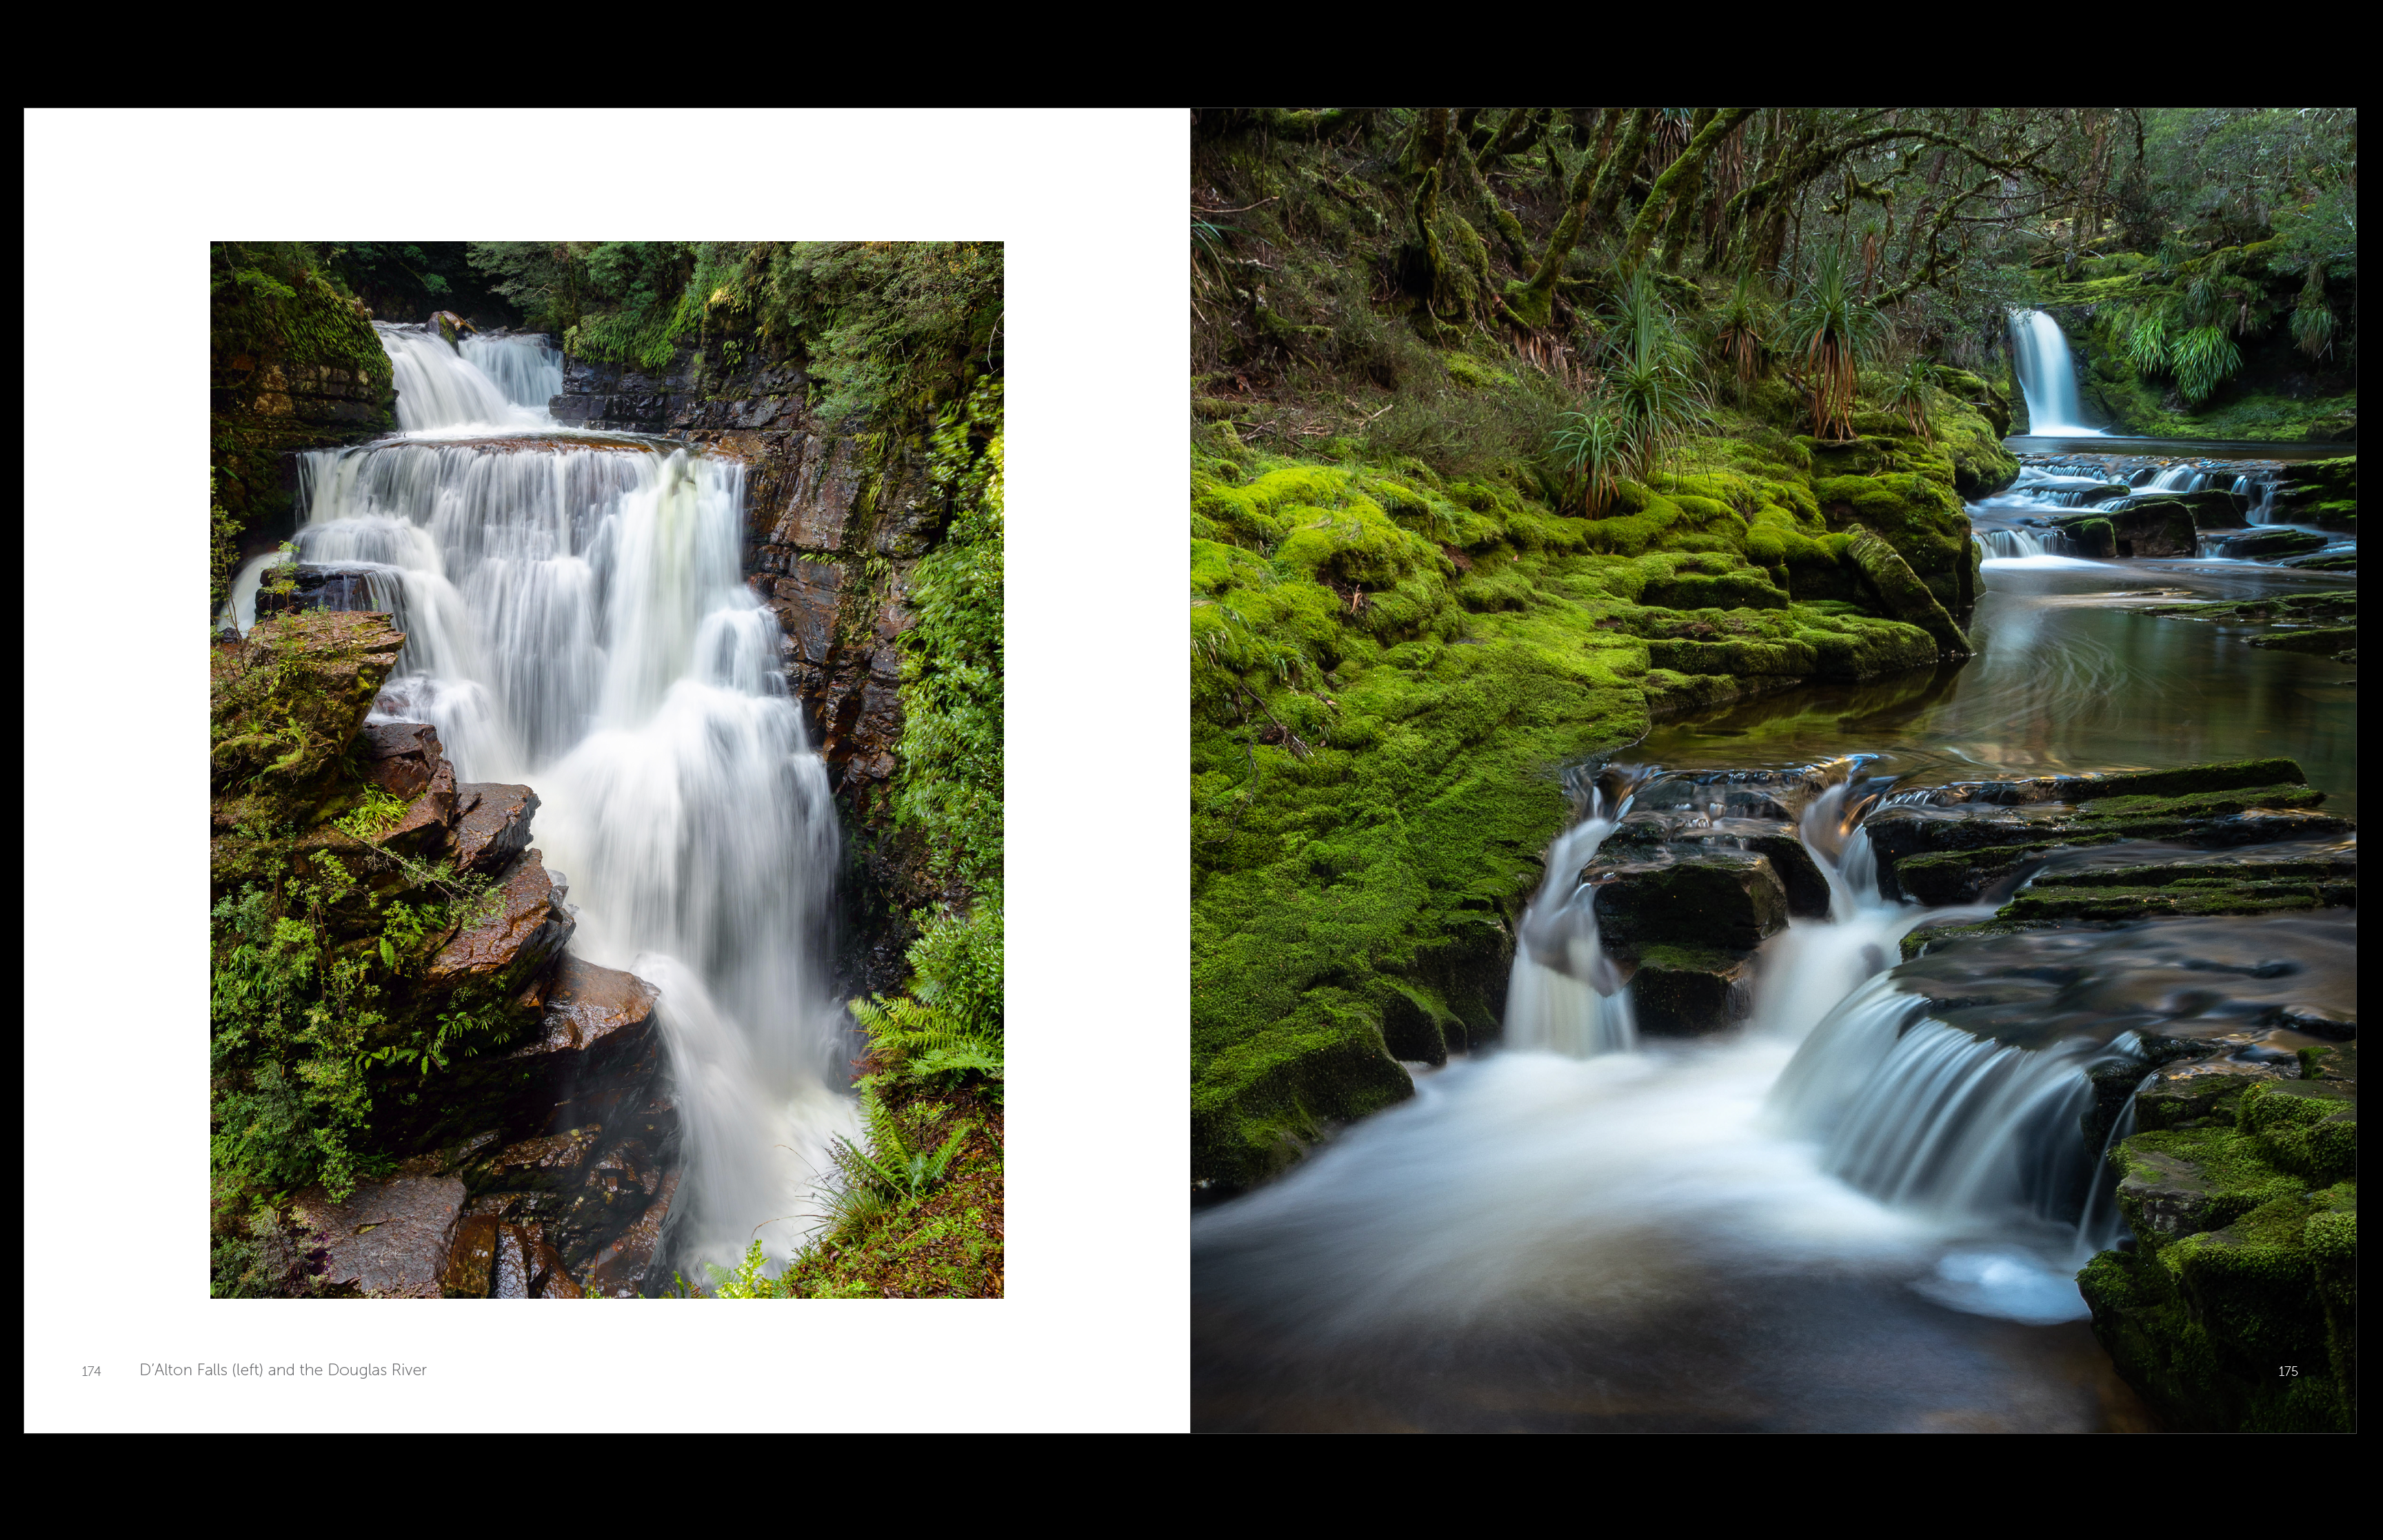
(1834, 1219)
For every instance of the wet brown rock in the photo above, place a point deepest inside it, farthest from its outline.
(399, 756)
(471, 1259)
(589, 1005)
(495, 826)
(423, 830)
(389, 1238)
(804, 602)
(553, 1280)
(620, 1269)
(527, 930)
(827, 484)
(551, 1162)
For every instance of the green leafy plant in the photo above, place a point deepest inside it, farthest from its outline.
(2146, 339)
(1743, 328)
(2313, 323)
(2204, 358)
(1913, 393)
(885, 1167)
(1835, 331)
(1588, 451)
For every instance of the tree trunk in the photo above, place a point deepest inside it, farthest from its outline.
(1678, 182)
(1613, 172)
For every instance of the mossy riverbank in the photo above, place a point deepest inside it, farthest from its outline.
(1393, 670)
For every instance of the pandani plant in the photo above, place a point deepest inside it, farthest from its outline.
(1650, 402)
(1913, 393)
(1835, 331)
(1742, 336)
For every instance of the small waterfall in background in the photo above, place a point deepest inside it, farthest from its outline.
(2047, 374)
(576, 621)
(1564, 995)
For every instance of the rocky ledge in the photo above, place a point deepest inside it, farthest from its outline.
(548, 1165)
(547, 1169)
(2231, 1116)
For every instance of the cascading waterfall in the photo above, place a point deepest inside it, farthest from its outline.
(575, 619)
(2020, 545)
(1563, 994)
(529, 370)
(2047, 374)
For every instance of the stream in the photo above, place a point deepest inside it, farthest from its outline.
(576, 622)
(1844, 1214)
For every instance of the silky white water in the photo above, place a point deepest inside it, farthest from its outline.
(576, 620)
(2048, 375)
(1580, 1172)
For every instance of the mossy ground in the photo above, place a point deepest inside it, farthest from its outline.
(1392, 670)
(948, 1245)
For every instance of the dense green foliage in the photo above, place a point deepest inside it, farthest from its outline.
(890, 331)
(293, 363)
(1459, 524)
(320, 936)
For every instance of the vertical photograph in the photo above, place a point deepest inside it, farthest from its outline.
(605, 755)
(1773, 779)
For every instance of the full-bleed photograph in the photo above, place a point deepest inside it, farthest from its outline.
(1774, 769)
(606, 770)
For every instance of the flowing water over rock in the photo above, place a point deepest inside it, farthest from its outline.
(2048, 374)
(576, 620)
(1863, 1205)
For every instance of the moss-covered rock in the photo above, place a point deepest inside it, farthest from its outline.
(1688, 992)
(2235, 1310)
(2150, 528)
(2264, 544)
(1717, 900)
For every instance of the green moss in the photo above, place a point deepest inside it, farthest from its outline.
(2248, 1322)
(2211, 804)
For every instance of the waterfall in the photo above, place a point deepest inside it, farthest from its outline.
(527, 369)
(575, 619)
(2048, 375)
(2018, 545)
(1563, 994)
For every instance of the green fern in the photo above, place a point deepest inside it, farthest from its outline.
(2204, 358)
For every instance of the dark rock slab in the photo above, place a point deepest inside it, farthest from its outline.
(528, 928)
(622, 1269)
(2152, 527)
(1723, 900)
(472, 1258)
(496, 827)
(399, 756)
(389, 1238)
(1687, 992)
(2265, 543)
(2212, 508)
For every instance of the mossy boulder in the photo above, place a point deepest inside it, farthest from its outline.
(286, 703)
(2266, 544)
(2153, 528)
(2323, 492)
(1902, 594)
(1717, 900)
(2212, 508)
(1688, 992)
(2326, 641)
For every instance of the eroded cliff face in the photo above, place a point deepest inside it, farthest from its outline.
(837, 518)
